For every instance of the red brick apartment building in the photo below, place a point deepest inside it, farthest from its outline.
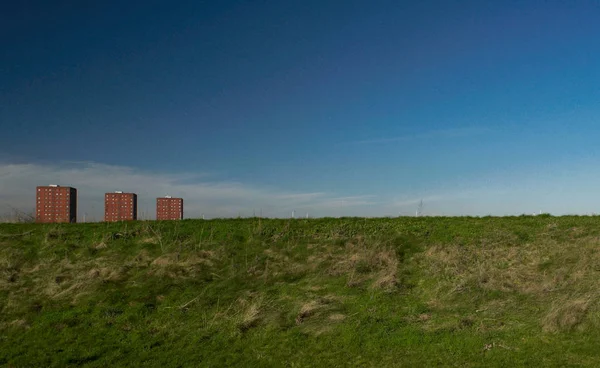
(56, 204)
(168, 208)
(119, 206)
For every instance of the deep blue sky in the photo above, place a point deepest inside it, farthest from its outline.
(380, 98)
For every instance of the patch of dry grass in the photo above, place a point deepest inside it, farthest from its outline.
(63, 278)
(251, 312)
(320, 315)
(561, 275)
(565, 315)
(176, 265)
(366, 263)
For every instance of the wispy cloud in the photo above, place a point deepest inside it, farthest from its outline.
(201, 196)
(414, 202)
(557, 189)
(347, 201)
(432, 134)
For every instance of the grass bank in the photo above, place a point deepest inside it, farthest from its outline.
(339, 292)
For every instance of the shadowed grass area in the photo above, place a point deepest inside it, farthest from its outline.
(343, 292)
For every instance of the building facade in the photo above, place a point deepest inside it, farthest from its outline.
(119, 206)
(56, 204)
(168, 208)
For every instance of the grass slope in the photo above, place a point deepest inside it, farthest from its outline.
(509, 291)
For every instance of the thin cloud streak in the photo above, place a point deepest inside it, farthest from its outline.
(442, 133)
(553, 189)
(201, 198)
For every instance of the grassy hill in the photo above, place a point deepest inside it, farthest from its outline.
(326, 292)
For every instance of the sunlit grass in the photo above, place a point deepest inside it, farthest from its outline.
(342, 292)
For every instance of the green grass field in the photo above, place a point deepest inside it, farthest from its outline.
(511, 291)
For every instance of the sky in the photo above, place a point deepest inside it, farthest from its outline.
(325, 108)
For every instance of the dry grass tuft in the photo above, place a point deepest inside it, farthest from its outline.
(317, 308)
(19, 323)
(424, 317)
(166, 260)
(142, 258)
(151, 240)
(320, 315)
(94, 273)
(73, 281)
(337, 317)
(252, 310)
(251, 317)
(566, 315)
(544, 270)
(176, 265)
(110, 274)
(199, 258)
(362, 263)
(307, 310)
(387, 263)
(534, 269)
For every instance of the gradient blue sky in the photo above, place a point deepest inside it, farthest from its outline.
(356, 107)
